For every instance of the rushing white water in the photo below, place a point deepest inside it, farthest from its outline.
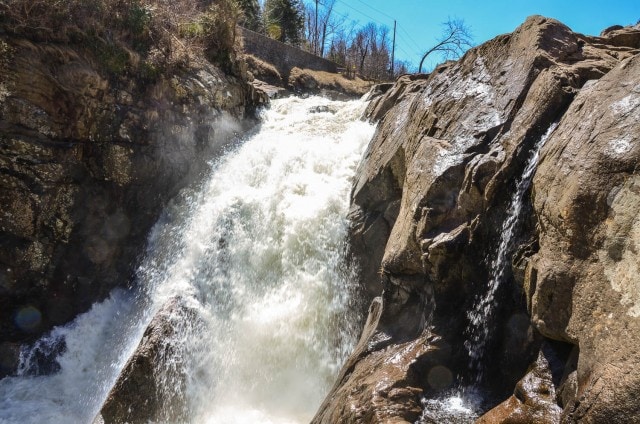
(257, 253)
(481, 314)
(453, 407)
(91, 359)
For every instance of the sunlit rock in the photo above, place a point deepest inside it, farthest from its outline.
(450, 152)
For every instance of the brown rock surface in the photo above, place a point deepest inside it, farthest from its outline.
(151, 386)
(88, 158)
(327, 84)
(583, 284)
(433, 189)
(534, 398)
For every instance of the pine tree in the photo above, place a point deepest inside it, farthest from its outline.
(252, 15)
(284, 20)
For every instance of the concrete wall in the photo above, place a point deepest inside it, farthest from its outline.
(282, 56)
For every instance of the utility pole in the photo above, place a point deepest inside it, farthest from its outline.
(393, 49)
(316, 38)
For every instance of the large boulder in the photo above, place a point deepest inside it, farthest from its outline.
(535, 398)
(428, 208)
(151, 386)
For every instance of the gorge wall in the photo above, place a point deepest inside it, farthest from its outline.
(93, 142)
(428, 208)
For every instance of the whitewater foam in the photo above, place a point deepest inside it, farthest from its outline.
(257, 252)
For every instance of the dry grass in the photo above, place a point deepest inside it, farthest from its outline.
(162, 32)
(262, 70)
(307, 78)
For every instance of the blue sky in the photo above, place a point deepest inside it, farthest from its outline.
(419, 21)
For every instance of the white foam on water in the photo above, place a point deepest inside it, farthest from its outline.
(283, 231)
(453, 407)
(96, 349)
(257, 252)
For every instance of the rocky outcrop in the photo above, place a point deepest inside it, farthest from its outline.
(535, 396)
(305, 82)
(428, 208)
(88, 157)
(151, 386)
(327, 84)
(583, 284)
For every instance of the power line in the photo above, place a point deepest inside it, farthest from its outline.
(411, 39)
(344, 3)
(403, 51)
(405, 41)
(343, 15)
(410, 44)
(377, 10)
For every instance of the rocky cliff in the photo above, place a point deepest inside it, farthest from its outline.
(433, 208)
(94, 139)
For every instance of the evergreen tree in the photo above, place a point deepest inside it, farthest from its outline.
(252, 15)
(284, 20)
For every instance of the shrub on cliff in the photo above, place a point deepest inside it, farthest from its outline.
(128, 35)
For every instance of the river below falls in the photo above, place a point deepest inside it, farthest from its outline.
(257, 251)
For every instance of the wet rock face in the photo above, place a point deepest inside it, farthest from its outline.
(87, 160)
(151, 386)
(535, 395)
(430, 199)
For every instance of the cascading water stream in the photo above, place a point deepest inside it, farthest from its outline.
(257, 254)
(481, 315)
(461, 403)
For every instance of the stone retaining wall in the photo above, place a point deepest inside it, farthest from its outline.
(283, 56)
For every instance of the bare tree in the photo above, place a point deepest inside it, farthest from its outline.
(309, 28)
(328, 25)
(359, 49)
(456, 39)
(378, 62)
(338, 49)
(321, 28)
(361, 44)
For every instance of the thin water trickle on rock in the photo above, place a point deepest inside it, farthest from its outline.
(257, 254)
(481, 315)
(463, 404)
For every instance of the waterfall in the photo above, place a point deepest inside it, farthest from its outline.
(257, 253)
